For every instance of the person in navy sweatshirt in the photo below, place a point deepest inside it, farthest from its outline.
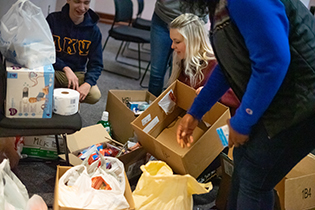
(77, 39)
(265, 52)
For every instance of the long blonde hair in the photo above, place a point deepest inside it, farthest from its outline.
(198, 48)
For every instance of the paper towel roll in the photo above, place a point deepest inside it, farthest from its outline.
(66, 101)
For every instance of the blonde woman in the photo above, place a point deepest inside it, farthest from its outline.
(193, 58)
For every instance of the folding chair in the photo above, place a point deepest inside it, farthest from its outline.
(126, 33)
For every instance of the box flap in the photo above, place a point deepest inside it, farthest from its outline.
(86, 137)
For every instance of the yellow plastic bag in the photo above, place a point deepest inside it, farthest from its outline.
(159, 189)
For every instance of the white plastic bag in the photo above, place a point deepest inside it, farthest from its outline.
(25, 36)
(75, 186)
(13, 194)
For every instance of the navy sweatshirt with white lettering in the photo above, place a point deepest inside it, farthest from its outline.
(77, 46)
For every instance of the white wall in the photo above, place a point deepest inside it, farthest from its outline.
(47, 6)
(108, 7)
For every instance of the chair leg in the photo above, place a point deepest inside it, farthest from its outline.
(126, 44)
(66, 148)
(143, 76)
(139, 60)
(105, 43)
(116, 58)
(57, 144)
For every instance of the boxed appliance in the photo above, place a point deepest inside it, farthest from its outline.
(29, 91)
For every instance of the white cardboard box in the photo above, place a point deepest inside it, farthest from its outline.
(29, 92)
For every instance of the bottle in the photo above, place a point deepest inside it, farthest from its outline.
(106, 124)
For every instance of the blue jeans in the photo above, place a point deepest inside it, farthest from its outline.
(262, 162)
(160, 54)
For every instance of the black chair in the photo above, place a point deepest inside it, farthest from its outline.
(57, 125)
(126, 33)
(140, 22)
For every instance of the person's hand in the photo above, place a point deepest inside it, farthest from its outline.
(198, 90)
(185, 130)
(7, 150)
(236, 138)
(84, 89)
(73, 80)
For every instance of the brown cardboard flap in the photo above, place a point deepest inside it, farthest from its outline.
(87, 137)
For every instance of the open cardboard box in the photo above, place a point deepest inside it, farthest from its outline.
(96, 134)
(62, 169)
(296, 190)
(156, 132)
(120, 116)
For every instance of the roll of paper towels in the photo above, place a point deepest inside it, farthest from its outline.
(66, 101)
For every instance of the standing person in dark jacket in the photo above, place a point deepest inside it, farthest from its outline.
(77, 38)
(265, 50)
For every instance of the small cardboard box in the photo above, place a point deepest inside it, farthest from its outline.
(96, 134)
(41, 146)
(296, 190)
(120, 116)
(156, 132)
(29, 91)
(62, 169)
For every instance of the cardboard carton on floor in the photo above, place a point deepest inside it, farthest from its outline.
(62, 169)
(40, 147)
(156, 131)
(296, 190)
(96, 134)
(120, 116)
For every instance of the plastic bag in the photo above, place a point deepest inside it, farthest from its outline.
(25, 36)
(100, 185)
(13, 194)
(159, 189)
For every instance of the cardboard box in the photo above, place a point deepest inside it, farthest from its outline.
(296, 190)
(41, 146)
(29, 92)
(62, 169)
(120, 116)
(156, 132)
(96, 134)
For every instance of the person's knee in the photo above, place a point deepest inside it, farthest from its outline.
(94, 96)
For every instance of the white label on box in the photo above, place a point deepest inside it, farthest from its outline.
(151, 125)
(146, 119)
(224, 134)
(167, 103)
